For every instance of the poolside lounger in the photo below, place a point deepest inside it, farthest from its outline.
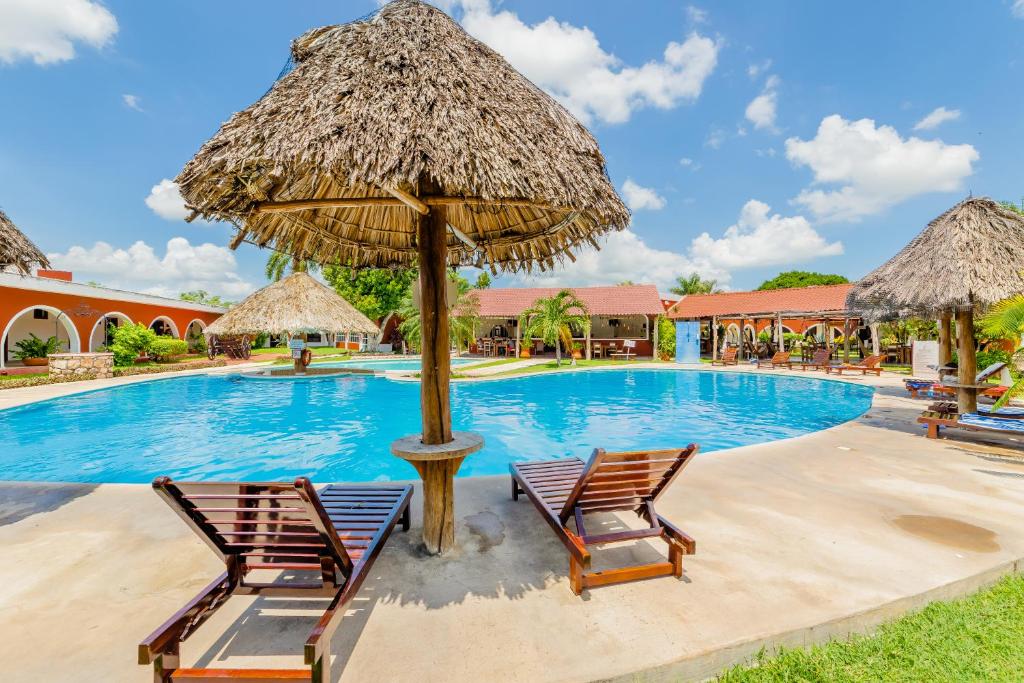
(869, 364)
(728, 357)
(569, 489)
(780, 359)
(819, 361)
(980, 382)
(1011, 424)
(336, 534)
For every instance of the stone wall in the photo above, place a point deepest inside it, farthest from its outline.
(99, 365)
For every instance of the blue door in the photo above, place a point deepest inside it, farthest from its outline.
(687, 341)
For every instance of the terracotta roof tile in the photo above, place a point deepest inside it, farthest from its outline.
(823, 298)
(609, 300)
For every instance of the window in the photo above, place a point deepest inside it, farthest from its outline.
(314, 338)
(40, 314)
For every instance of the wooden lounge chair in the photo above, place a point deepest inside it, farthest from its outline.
(335, 534)
(975, 422)
(780, 359)
(728, 357)
(819, 361)
(869, 364)
(569, 489)
(980, 382)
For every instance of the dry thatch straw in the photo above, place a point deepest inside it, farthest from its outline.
(294, 305)
(17, 250)
(406, 100)
(971, 256)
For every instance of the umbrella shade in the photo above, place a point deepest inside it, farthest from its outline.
(17, 250)
(970, 256)
(381, 120)
(296, 304)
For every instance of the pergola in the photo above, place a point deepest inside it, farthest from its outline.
(848, 320)
(401, 140)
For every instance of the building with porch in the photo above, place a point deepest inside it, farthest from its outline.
(617, 313)
(80, 315)
(817, 313)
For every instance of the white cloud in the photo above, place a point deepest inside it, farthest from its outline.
(166, 201)
(1018, 9)
(766, 152)
(182, 268)
(46, 31)
(762, 109)
(759, 238)
(874, 167)
(716, 136)
(132, 102)
(687, 162)
(696, 15)
(569, 62)
(640, 198)
(755, 70)
(938, 117)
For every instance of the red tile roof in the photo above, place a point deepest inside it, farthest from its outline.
(823, 298)
(610, 300)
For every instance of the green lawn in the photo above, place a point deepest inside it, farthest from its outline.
(31, 374)
(550, 366)
(978, 638)
(493, 363)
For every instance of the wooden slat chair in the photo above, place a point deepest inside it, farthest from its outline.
(728, 357)
(869, 364)
(780, 359)
(819, 361)
(569, 489)
(335, 534)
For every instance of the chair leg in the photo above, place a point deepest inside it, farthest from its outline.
(675, 556)
(407, 518)
(321, 672)
(575, 576)
(515, 490)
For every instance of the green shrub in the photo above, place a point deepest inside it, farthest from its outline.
(666, 338)
(260, 340)
(196, 342)
(129, 342)
(34, 347)
(164, 348)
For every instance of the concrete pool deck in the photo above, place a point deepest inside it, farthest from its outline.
(797, 541)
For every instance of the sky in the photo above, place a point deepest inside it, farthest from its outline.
(746, 137)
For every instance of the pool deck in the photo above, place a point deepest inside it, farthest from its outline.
(797, 541)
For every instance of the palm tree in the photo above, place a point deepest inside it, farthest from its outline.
(278, 262)
(1005, 320)
(694, 284)
(462, 321)
(553, 319)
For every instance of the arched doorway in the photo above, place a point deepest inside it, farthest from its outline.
(194, 335)
(102, 331)
(732, 334)
(42, 321)
(164, 326)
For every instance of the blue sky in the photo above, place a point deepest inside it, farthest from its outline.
(748, 137)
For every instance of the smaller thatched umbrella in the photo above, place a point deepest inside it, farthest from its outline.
(968, 258)
(297, 304)
(17, 250)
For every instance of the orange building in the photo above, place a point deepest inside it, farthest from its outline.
(80, 315)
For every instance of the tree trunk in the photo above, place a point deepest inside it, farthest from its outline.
(558, 353)
(714, 337)
(945, 339)
(967, 398)
(431, 236)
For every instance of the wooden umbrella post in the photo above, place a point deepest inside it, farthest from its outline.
(431, 236)
(945, 339)
(967, 394)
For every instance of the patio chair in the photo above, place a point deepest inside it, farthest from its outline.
(569, 489)
(628, 350)
(869, 364)
(980, 382)
(1009, 423)
(819, 361)
(728, 357)
(335, 534)
(780, 359)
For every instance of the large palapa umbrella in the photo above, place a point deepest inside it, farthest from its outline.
(400, 140)
(970, 257)
(17, 250)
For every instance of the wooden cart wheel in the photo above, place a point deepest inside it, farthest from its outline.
(211, 348)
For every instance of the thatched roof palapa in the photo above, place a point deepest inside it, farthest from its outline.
(295, 304)
(382, 118)
(17, 250)
(971, 256)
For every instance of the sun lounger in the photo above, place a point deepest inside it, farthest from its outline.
(728, 357)
(568, 489)
(869, 364)
(334, 535)
(780, 359)
(972, 422)
(980, 382)
(819, 361)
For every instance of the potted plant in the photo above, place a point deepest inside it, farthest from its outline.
(33, 351)
(577, 351)
(524, 352)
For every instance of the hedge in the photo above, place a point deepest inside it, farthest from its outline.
(40, 380)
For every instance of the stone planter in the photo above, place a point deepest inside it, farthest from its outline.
(98, 365)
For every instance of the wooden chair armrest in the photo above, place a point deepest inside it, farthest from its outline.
(675, 533)
(203, 605)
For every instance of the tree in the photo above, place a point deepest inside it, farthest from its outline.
(374, 291)
(625, 283)
(462, 321)
(553, 319)
(801, 278)
(1005, 320)
(201, 296)
(278, 262)
(1018, 208)
(694, 284)
(483, 281)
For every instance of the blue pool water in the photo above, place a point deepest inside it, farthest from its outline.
(389, 365)
(223, 427)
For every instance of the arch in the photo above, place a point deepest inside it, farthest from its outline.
(168, 322)
(748, 328)
(74, 341)
(732, 334)
(196, 321)
(96, 327)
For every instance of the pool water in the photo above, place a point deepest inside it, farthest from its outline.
(222, 427)
(389, 365)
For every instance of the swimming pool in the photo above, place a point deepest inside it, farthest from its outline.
(222, 427)
(391, 364)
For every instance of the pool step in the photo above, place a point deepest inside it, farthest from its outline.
(242, 675)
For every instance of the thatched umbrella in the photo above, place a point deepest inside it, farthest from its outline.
(17, 250)
(968, 258)
(295, 305)
(402, 140)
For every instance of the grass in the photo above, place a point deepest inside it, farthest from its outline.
(30, 374)
(550, 366)
(977, 638)
(494, 363)
(283, 351)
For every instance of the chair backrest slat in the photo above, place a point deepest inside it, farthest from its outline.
(821, 356)
(988, 372)
(729, 354)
